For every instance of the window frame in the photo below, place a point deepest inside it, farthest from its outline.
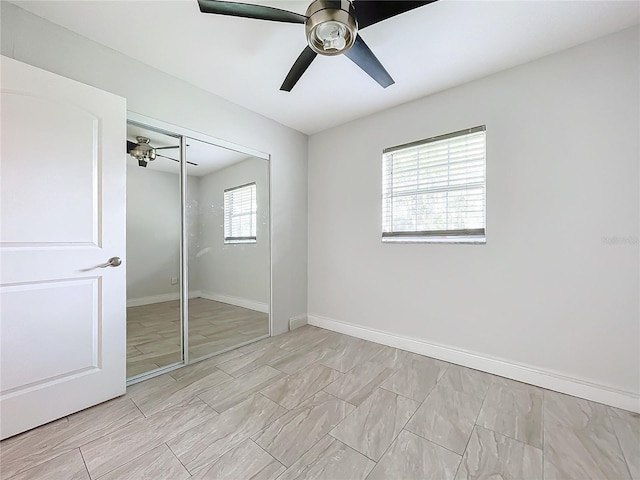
(253, 213)
(470, 236)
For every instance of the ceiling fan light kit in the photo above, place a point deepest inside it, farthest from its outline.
(331, 30)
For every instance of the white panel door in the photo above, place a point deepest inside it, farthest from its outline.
(62, 214)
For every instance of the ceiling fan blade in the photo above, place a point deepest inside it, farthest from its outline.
(131, 146)
(169, 158)
(299, 67)
(361, 55)
(247, 10)
(369, 12)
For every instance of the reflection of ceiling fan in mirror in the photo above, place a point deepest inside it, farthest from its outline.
(145, 153)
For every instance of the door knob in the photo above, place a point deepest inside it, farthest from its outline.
(112, 262)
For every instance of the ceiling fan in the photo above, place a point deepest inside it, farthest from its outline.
(331, 28)
(145, 153)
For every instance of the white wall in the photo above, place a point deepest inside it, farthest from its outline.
(546, 300)
(234, 270)
(150, 92)
(153, 233)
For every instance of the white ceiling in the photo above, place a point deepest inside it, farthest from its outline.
(426, 50)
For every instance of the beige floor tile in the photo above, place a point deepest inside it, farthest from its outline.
(250, 361)
(231, 393)
(289, 437)
(203, 368)
(155, 464)
(307, 337)
(246, 461)
(584, 453)
(291, 390)
(568, 411)
(177, 393)
(358, 384)
(513, 409)
(491, 455)
(411, 457)
(466, 380)
(68, 466)
(297, 360)
(446, 418)
(349, 352)
(374, 425)
(415, 379)
(393, 357)
(211, 439)
(149, 387)
(619, 413)
(580, 440)
(627, 428)
(329, 459)
(37, 446)
(261, 344)
(111, 451)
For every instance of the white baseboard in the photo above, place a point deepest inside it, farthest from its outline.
(165, 297)
(237, 301)
(168, 297)
(297, 322)
(546, 379)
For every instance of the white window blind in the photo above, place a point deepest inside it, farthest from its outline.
(434, 189)
(240, 211)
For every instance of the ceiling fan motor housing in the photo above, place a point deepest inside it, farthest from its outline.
(331, 27)
(143, 151)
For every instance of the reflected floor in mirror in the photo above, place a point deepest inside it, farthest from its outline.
(153, 331)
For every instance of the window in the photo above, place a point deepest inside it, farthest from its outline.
(434, 190)
(240, 208)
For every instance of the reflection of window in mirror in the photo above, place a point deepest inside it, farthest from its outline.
(240, 209)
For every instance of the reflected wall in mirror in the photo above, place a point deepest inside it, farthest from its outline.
(229, 248)
(154, 331)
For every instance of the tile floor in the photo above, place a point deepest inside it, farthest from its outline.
(314, 404)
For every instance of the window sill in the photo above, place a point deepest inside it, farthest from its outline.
(240, 242)
(457, 240)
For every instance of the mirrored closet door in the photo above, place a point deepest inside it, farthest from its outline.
(154, 327)
(228, 237)
(198, 248)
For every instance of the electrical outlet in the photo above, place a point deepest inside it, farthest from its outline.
(174, 280)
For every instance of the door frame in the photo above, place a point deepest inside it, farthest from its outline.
(182, 134)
